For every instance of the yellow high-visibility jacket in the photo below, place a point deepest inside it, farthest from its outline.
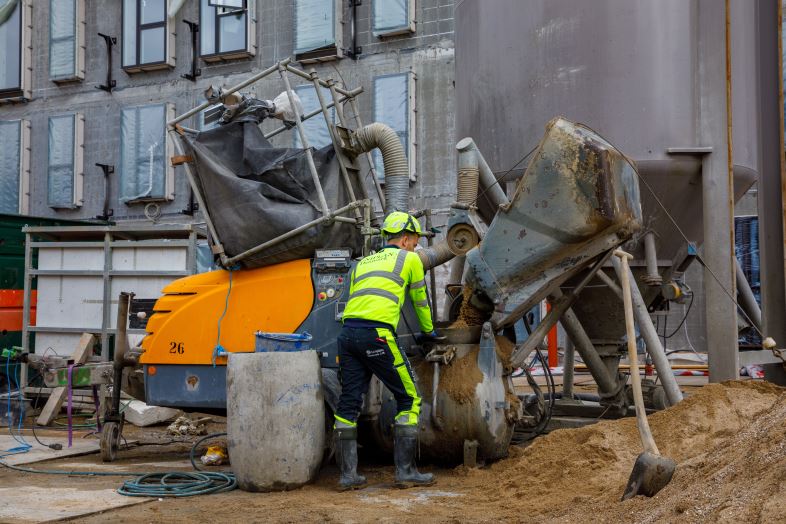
(378, 287)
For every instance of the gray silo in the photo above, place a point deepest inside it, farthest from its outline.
(650, 76)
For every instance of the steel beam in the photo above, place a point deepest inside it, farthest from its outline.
(714, 129)
(770, 168)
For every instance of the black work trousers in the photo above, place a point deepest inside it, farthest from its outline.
(366, 351)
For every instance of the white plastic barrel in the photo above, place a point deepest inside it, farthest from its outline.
(275, 419)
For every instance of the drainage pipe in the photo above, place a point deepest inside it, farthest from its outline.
(652, 278)
(380, 136)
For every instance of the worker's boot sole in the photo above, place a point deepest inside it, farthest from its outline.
(352, 487)
(411, 484)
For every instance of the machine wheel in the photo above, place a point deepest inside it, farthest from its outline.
(110, 441)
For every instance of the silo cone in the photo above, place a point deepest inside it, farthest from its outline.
(275, 419)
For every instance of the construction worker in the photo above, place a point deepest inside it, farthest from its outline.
(367, 344)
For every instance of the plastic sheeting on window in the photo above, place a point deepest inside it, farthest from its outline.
(10, 42)
(60, 174)
(315, 24)
(62, 39)
(391, 107)
(143, 153)
(317, 132)
(10, 162)
(389, 15)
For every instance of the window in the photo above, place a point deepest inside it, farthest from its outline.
(317, 30)
(316, 130)
(16, 51)
(66, 40)
(226, 32)
(14, 166)
(394, 105)
(392, 17)
(147, 41)
(145, 174)
(65, 173)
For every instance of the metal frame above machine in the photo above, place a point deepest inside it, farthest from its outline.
(359, 206)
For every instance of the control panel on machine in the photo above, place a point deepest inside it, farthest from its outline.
(331, 274)
(331, 268)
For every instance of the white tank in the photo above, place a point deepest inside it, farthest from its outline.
(275, 419)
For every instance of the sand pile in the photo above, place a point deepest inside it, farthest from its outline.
(729, 442)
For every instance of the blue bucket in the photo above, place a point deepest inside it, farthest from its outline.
(267, 342)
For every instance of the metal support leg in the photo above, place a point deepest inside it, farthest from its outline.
(573, 328)
(560, 306)
(647, 330)
(714, 129)
(26, 305)
(746, 298)
(567, 369)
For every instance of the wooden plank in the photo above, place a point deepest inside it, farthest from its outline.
(52, 407)
(181, 159)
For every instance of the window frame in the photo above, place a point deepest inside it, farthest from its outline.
(78, 173)
(169, 169)
(411, 147)
(325, 53)
(23, 92)
(406, 29)
(23, 201)
(79, 44)
(250, 36)
(169, 40)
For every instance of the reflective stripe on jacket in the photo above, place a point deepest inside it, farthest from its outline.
(378, 287)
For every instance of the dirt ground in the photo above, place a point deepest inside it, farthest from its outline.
(729, 442)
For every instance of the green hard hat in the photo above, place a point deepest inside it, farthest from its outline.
(398, 221)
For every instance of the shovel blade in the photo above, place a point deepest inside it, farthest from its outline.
(650, 474)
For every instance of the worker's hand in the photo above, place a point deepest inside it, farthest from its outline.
(435, 337)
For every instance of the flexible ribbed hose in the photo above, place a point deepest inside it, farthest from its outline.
(380, 136)
(435, 255)
(467, 185)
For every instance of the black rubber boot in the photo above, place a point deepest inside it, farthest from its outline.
(404, 448)
(347, 457)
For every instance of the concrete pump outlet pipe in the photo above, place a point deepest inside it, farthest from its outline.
(435, 255)
(380, 136)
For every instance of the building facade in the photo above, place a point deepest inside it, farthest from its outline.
(86, 87)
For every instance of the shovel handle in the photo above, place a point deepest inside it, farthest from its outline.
(638, 398)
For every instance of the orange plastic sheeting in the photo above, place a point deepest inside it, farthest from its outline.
(184, 325)
(11, 306)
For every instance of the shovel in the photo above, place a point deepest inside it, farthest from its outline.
(651, 472)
